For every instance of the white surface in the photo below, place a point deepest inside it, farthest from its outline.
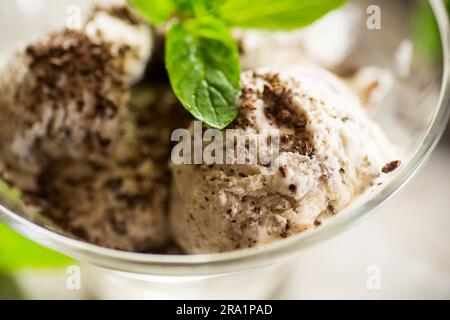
(408, 240)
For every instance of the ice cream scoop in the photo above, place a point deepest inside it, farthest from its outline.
(120, 202)
(121, 25)
(330, 152)
(66, 96)
(86, 145)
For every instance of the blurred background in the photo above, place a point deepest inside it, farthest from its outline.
(406, 242)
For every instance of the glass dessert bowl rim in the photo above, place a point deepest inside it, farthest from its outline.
(228, 262)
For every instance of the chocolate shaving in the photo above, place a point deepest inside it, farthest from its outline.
(391, 166)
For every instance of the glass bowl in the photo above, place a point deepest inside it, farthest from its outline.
(414, 115)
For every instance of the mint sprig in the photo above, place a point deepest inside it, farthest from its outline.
(156, 12)
(198, 8)
(203, 67)
(275, 14)
(202, 57)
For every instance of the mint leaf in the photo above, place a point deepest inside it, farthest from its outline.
(17, 253)
(204, 71)
(155, 11)
(275, 14)
(198, 8)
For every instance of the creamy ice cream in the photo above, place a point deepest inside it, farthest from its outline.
(89, 151)
(66, 96)
(120, 202)
(330, 152)
(121, 25)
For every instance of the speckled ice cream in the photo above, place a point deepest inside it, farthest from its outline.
(122, 202)
(89, 151)
(371, 84)
(67, 95)
(331, 152)
(122, 26)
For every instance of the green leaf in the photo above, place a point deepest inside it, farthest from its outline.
(275, 14)
(17, 253)
(155, 11)
(204, 71)
(198, 8)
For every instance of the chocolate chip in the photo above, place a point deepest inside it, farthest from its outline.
(391, 166)
(332, 209)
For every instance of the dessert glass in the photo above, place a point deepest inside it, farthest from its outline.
(414, 115)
